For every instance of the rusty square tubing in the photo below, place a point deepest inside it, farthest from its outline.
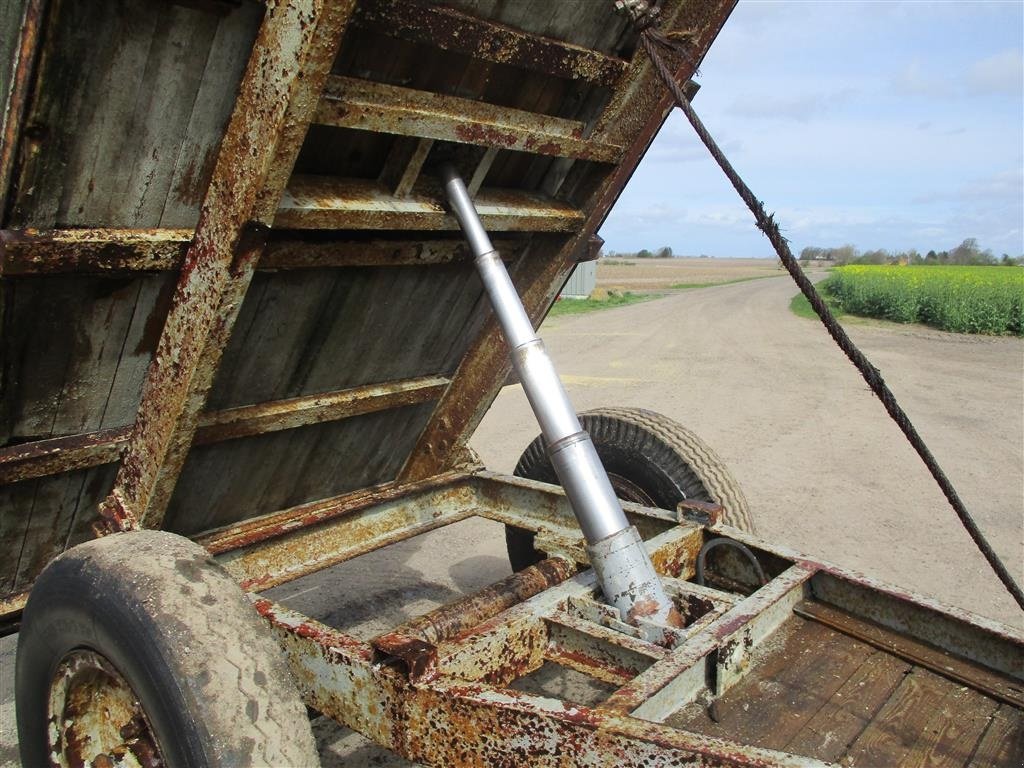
(616, 551)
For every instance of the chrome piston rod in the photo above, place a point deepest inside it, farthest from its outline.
(616, 550)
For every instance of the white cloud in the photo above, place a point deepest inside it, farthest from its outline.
(1000, 73)
(802, 107)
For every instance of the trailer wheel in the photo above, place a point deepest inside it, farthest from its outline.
(138, 649)
(650, 460)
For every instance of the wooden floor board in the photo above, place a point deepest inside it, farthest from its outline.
(829, 733)
(1002, 743)
(928, 721)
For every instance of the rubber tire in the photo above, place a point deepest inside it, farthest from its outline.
(659, 457)
(211, 679)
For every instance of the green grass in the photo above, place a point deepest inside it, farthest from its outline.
(800, 307)
(690, 286)
(987, 300)
(614, 299)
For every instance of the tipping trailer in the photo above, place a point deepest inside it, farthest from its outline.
(244, 341)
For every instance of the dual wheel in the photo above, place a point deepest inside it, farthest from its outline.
(650, 460)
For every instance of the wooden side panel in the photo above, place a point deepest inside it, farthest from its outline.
(310, 331)
(75, 350)
(40, 518)
(240, 479)
(131, 104)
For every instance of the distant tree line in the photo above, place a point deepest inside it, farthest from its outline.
(968, 253)
(662, 253)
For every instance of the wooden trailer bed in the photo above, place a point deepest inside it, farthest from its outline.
(235, 307)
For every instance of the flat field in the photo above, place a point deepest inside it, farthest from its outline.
(951, 298)
(666, 274)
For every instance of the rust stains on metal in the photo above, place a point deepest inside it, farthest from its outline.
(293, 50)
(293, 252)
(282, 551)
(95, 717)
(251, 532)
(65, 454)
(451, 30)
(315, 202)
(415, 642)
(101, 251)
(61, 454)
(18, 92)
(31, 251)
(260, 419)
(353, 103)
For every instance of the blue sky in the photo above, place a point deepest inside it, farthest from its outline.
(889, 125)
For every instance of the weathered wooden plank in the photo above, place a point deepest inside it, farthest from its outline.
(105, 142)
(171, 80)
(313, 202)
(294, 466)
(404, 163)
(293, 51)
(452, 30)
(1002, 687)
(353, 103)
(76, 350)
(211, 109)
(829, 733)
(920, 717)
(1002, 745)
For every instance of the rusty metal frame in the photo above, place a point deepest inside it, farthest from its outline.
(485, 367)
(294, 49)
(440, 688)
(102, 251)
(352, 103)
(64, 454)
(452, 30)
(22, 75)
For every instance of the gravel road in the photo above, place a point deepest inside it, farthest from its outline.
(824, 469)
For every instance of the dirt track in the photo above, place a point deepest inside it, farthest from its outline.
(824, 468)
(825, 471)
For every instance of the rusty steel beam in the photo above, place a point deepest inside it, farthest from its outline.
(65, 454)
(99, 251)
(292, 252)
(32, 251)
(317, 202)
(364, 105)
(311, 537)
(448, 722)
(415, 642)
(62, 454)
(22, 76)
(294, 49)
(247, 420)
(485, 366)
(452, 30)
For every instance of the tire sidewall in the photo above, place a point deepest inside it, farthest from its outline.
(64, 615)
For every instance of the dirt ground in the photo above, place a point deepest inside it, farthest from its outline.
(824, 469)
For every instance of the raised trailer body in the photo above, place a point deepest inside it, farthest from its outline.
(235, 308)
